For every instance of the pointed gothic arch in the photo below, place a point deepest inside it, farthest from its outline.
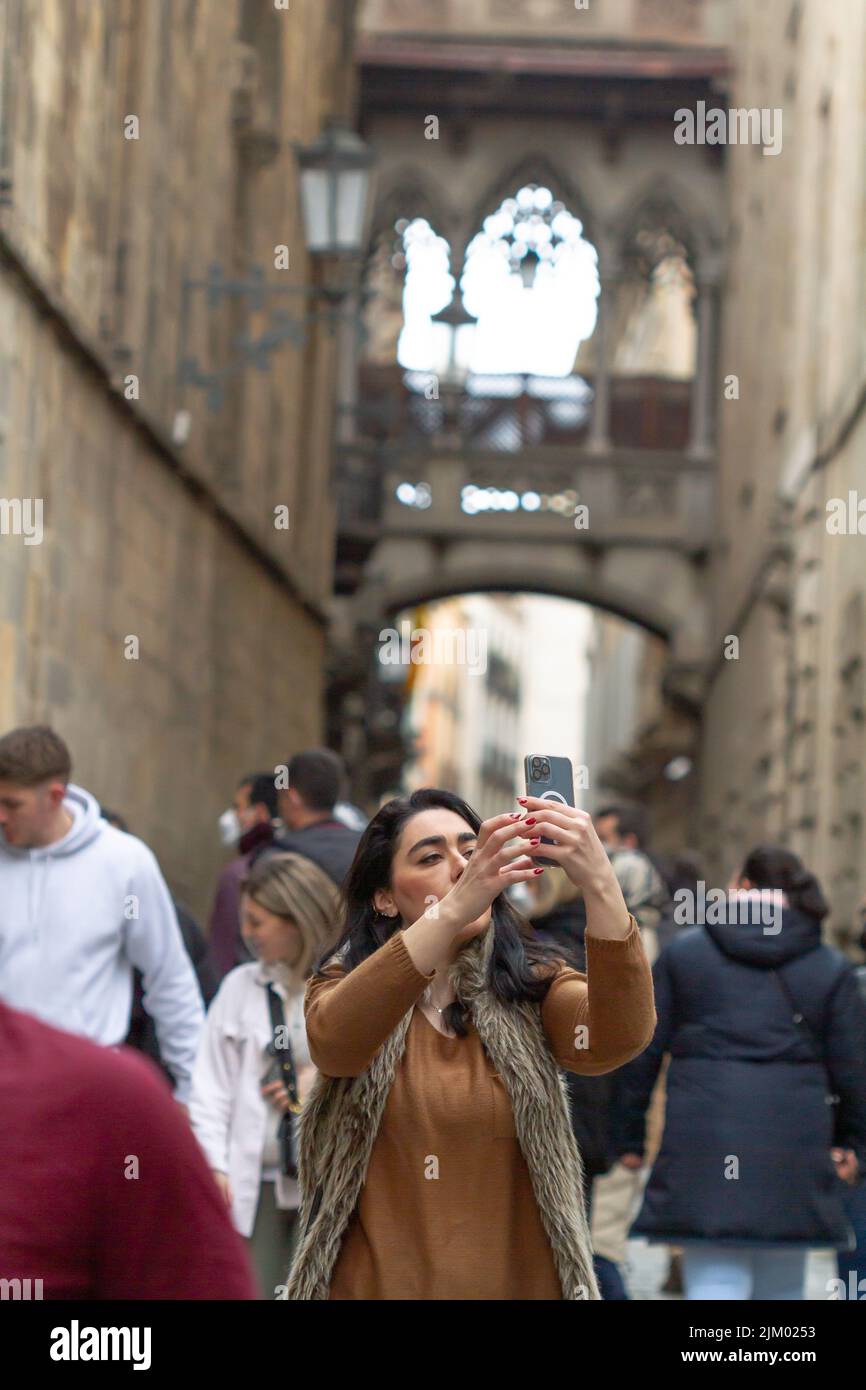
(665, 201)
(531, 168)
(410, 194)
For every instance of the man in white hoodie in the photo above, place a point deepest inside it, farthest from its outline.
(81, 903)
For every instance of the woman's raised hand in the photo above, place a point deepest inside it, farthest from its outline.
(578, 849)
(493, 865)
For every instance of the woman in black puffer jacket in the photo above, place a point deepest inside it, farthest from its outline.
(766, 1091)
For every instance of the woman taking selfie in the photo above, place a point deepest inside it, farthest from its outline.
(249, 1079)
(436, 1155)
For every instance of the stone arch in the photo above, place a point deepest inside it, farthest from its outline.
(408, 193)
(676, 205)
(530, 168)
(392, 595)
(661, 589)
(633, 608)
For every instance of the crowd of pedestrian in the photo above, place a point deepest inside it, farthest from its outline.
(425, 1057)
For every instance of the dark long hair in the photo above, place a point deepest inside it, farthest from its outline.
(770, 866)
(513, 974)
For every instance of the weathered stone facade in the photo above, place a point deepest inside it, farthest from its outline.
(784, 742)
(781, 754)
(175, 544)
(693, 21)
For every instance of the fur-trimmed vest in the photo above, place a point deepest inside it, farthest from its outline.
(341, 1118)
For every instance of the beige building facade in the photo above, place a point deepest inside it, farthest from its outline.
(784, 743)
(169, 619)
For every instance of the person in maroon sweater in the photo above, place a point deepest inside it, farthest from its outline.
(104, 1191)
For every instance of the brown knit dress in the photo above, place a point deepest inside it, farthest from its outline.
(447, 1210)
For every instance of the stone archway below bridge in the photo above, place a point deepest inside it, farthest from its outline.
(660, 590)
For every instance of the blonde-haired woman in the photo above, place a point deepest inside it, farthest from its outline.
(253, 1068)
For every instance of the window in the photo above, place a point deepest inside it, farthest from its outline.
(531, 280)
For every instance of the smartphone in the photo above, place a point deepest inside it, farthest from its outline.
(551, 779)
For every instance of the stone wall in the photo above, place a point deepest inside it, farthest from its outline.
(785, 726)
(683, 21)
(171, 543)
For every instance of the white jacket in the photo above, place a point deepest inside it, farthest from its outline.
(229, 1115)
(75, 917)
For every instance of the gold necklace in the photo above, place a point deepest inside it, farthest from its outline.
(428, 999)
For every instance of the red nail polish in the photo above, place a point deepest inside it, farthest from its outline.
(536, 842)
(530, 821)
(538, 871)
(522, 800)
(514, 815)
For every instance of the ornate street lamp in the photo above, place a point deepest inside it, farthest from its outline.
(455, 316)
(335, 181)
(527, 267)
(334, 187)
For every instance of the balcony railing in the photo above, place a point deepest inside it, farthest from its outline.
(512, 458)
(412, 411)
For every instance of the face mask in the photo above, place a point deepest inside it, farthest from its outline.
(230, 827)
(520, 896)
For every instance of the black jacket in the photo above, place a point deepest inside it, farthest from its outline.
(588, 1096)
(142, 1030)
(752, 1109)
(330, 844)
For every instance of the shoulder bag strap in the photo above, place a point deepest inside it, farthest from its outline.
(803, 1024)
(798, 1017)
(281, 1048)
